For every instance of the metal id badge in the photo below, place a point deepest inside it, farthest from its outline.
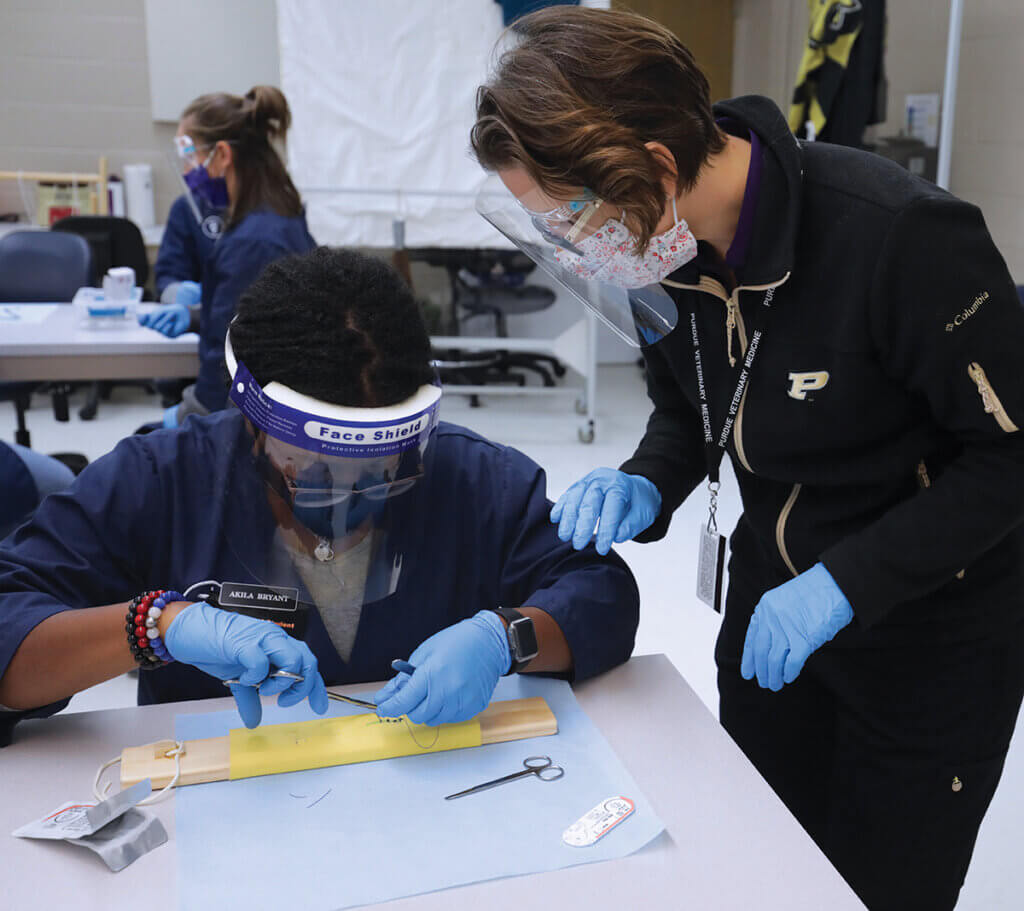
(710, 564)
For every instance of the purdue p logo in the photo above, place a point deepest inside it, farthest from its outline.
(802, 383)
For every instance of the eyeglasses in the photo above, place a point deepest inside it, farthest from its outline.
(564, 224)
(184, 146)
(312, 496)
(563, 213)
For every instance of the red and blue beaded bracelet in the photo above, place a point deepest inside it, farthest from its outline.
(141, 626)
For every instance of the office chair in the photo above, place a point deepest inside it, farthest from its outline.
(114, 241)
(490, 283)
(37, 266)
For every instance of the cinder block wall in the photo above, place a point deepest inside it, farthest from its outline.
(988, 151)
(74, 85)
(988, 146)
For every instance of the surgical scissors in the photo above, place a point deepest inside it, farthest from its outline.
(532, 765)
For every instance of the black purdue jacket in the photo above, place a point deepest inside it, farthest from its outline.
(878, 432)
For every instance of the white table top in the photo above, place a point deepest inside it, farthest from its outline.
(61, 346)
(730, 842)
(63, 329)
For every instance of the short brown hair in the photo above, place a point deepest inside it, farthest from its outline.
(249, 123)
(578, 96)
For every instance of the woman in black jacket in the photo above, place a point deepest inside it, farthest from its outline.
(849, 334)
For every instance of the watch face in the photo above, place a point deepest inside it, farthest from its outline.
(523, 639)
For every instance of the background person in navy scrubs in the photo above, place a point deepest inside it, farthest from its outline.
(403, 559)
(226, 142)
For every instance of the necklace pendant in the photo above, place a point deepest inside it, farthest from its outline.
(324, 552)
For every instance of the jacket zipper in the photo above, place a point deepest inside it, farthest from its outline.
(780, 528)
(989, 400)
(733, 322)
(922, 475)
(924, 481)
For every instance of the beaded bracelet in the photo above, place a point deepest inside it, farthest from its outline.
(140, 625)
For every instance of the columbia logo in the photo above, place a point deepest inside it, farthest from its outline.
(968, 312)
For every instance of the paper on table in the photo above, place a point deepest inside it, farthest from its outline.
(357, 834)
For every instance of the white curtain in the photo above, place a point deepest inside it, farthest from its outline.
(382, 95)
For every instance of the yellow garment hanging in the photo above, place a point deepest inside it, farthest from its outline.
(835, 25)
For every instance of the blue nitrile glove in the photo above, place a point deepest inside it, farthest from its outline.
(170, 319)
(170, 418)
(789, 623)
(187, 293)
(626, 504)
(456, 672)
(227, 645)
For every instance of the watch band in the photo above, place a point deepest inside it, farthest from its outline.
(522, 638)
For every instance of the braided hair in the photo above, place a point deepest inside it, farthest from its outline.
(336, 325)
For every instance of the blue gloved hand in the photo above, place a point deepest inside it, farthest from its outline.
(227, 645)
(170, 418)
(187, 293)
(456, 672)
(626, 504)
(789, 623)
(171, 320)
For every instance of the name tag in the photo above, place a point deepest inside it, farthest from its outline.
(710, 564)
(279, 605)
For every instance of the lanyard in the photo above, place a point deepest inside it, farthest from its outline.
(714, 447)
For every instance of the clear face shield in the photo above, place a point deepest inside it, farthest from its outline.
(584, 246)
(318, 490)
(206, 196)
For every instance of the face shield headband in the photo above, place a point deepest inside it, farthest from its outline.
(333, 430)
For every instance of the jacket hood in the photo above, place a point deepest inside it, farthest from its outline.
(777, 214)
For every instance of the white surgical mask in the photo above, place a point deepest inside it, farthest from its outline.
(609, 254)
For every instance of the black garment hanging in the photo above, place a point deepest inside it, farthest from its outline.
(841, 85)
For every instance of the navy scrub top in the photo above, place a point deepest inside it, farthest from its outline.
(186, 245)
(157, 511)
(237, 260)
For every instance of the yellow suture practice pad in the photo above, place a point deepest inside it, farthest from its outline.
(338, 741)
(324, 742)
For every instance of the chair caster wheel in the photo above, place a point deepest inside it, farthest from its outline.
(585, 433)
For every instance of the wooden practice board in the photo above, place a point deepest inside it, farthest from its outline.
(329, 741)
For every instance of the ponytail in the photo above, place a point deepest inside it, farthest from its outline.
(268, 111)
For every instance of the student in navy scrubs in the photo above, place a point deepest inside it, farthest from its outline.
(331, 492)
(226, 145)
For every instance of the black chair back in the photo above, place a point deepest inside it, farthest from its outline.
(38, 266)
(114, 241)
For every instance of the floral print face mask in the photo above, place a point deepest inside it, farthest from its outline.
(608, 255)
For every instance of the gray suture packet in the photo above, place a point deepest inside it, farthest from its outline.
(113, 829)
(125, 839)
